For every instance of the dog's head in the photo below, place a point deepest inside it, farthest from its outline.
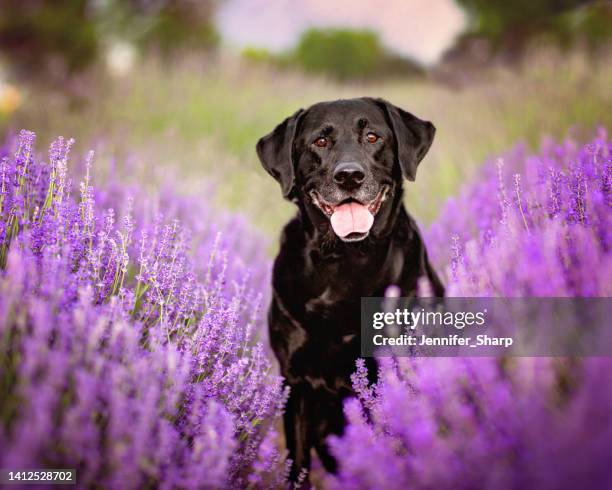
(343, 162)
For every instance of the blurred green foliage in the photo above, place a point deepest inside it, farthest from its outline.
(494, 18)
(67, 35)
(260, 55)
(33, 32)
(510, 26)
(163, 24)
(343, 54)
(591, 24)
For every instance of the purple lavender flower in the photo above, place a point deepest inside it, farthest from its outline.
(544, 233)
(127, 344)
(530, 226)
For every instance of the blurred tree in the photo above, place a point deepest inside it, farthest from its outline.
(163, 24)
(62, 36)
(496, 17)
(510, 25)
(590, 23)
(346, 53)
(34, 33)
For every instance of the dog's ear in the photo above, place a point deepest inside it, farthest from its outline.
(413, 137)
(275, 150)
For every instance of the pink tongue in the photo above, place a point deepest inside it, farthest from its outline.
(351, 218)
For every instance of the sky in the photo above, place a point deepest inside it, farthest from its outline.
(419, 29)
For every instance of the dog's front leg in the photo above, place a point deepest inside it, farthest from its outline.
(297, 430)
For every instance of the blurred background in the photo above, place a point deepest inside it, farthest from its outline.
(187, 87)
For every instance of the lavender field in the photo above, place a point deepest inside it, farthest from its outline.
(129, 338)
(131, 329)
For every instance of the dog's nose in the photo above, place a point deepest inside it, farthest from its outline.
(349, 175)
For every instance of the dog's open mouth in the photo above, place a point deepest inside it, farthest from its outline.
(350, 219)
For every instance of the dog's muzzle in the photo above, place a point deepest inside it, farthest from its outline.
(350, 219)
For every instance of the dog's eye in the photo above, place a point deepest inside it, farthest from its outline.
(372, 137)
(321, 142)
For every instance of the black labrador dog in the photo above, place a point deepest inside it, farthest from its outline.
(342, 163)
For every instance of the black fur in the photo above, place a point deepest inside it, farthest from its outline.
(318, 278)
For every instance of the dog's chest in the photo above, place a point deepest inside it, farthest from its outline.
(349, 280)
(334, 293)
